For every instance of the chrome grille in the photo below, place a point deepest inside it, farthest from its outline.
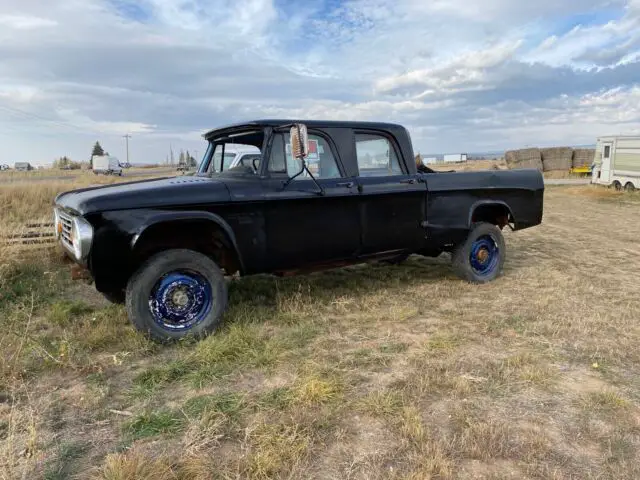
(67, 226)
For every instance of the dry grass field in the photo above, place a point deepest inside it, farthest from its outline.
(24, 200)
(372, 372)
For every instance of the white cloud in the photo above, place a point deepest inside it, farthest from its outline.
(467, 71)
(461, 75)
(24, 22)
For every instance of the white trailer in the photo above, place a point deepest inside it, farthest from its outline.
(455, 158)
(617, 162)
(430, 161)
(106, 164)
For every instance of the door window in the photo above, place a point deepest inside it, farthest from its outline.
(607, 151)
(320, 161)
(376, 156)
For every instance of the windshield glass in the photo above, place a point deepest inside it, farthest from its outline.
(225, 151)
(228, 160)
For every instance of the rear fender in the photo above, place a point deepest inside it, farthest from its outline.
(490, 203)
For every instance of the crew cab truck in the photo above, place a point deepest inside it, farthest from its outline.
(322, 194)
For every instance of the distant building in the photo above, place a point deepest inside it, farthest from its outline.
(458, 157)
(430, 161)
(23, 166)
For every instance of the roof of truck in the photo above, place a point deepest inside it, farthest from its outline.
(308, 123)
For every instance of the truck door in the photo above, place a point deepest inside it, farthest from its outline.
(392, 201)
(302, 226)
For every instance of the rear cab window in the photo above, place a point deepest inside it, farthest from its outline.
(377, 155)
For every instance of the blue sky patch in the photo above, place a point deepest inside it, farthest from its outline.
(131, 10)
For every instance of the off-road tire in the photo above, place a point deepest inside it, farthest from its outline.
(460, 258)
(143, 280)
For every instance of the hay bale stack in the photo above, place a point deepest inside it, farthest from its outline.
(583, 157)
(526, 158)
(557, 158)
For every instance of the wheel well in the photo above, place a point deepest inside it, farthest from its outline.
(494, 213)
(201, 236)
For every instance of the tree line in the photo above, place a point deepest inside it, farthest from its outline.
(65, 163)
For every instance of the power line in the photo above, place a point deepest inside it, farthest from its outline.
(38, 117)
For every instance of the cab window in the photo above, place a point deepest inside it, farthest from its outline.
(376, 156)
(321, 162)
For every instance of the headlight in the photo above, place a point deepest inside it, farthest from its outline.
(75, 234)
(82, 236)
(57, 226)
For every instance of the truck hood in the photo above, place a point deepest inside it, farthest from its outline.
(157, 193)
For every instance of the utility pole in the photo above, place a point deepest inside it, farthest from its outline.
(127, 137)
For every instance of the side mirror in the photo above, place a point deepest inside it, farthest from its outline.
(299, 141)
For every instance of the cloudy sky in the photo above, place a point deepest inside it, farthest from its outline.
(462, 75)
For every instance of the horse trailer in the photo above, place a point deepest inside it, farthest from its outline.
(617, 162)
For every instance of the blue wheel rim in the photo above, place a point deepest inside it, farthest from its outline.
(484, 256)
(180, 300)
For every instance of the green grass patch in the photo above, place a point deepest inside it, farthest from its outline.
(149, 381)
(277, 399)
(230, 404)
(65, 312)
(151, 424)
(381, 404)
(22, 283)
(238, 348)
(392, 348)
(61, 466)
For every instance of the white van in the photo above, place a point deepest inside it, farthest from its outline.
(617, 162)
(106, 164)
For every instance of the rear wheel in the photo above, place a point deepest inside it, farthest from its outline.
(480, 258)
(177, 293)
(617, 185)
(629, 187)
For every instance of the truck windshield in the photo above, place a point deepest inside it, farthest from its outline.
(226, 163)
(225, 151)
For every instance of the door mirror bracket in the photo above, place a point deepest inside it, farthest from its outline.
(299, 142)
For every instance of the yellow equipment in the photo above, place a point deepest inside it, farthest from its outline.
(581, 170)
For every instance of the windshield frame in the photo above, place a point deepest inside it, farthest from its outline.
(224, 139)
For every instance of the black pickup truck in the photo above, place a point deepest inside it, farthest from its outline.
(321, 194)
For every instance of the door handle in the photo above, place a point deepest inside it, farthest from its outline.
(411, 181)
(345, 184)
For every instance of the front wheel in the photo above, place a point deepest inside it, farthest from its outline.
(177, 293)
(480, 258)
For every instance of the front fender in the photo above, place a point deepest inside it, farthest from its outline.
(158, 218)
(112, 259)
